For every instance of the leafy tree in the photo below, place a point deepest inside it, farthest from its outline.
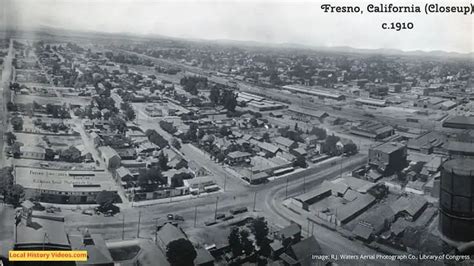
(181, 252)
(215, 95)
(300, 162)
(350, 148)
(16, 149)
(175, 142)
(177, 181)
(234, 242)
(15, 195)
(49, 155)
(17, 123)
(229, 100)
(266, 137)
(130, 114)
(330, 145)
(11, 107)
(246, 242)
(11, 138)
(260, 230)
(318, 132)
(106, 197)
(163, 161)
(71, 155)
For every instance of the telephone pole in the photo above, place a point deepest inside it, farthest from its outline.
(215, 213)
(254, 200)
(139, 217)
(123, 226)
(195, 214)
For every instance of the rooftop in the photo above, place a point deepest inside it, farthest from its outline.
(389, 147)
(460, 166)
(63, 180)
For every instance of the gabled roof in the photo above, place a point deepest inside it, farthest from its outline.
(290, 230)
(412, 204)
(268, 147)
(284, 141)
(169, 233)
(304, 249)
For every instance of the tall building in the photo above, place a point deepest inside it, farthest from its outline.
(388, 157)
(456, 219)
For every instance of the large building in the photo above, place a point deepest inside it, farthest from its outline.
(63, 186)
(373, 130)
(461, 122)
(456, 219)
(388, 157)
(322, 94)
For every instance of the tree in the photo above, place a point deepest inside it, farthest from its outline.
(177, 181)
(17, 123)
(15, 195)
(49, 155)
(260, 230)
(106, 197)
(246, 242)
(163, 161)
(215, 95)
(330, 145)
(234, 242)
(300, 162)
(11, 138)
(350, 149)
(175, 142)
(266, 137)
(70, 155)
(318, 132)
(229, 100)
(16, 152)
(182, 164)
(181, 252)
(130, 114)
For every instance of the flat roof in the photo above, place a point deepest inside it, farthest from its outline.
(460, 166)
(460, 120)
(64, 180)
(389, 147)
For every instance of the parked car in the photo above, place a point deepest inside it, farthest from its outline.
(238, 210)
(220, 216)
(228, 217)
(211, 222)
(178, 218)
(170, 216)
(88, 212)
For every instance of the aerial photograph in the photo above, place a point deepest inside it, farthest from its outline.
(180, 133)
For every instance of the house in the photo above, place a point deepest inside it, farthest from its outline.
(301, 253)
(123, 174)
(110, 157)
(238, 157)
(167, 234)
(411, 207)
(285, 143)
(197, 169)
(31, 228)
(388, 157)
(32, 152)
(270, 150)
(201, 184)
(290, 233)
(97, 251)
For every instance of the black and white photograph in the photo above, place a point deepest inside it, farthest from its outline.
(236, 132)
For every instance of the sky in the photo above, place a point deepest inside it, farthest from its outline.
(297, 22)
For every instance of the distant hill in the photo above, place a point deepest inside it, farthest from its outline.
(48, 30)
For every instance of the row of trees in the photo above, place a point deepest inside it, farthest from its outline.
(11, 192)
(194, 84)
(224, 97)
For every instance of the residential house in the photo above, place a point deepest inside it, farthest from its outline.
(110, 157)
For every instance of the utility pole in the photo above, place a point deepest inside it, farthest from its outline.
(225, 181)
(304, 184)
(195, 214)
(123, 226)
(139, 217)
(254, 200)
(156, 230)
(215, 213)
